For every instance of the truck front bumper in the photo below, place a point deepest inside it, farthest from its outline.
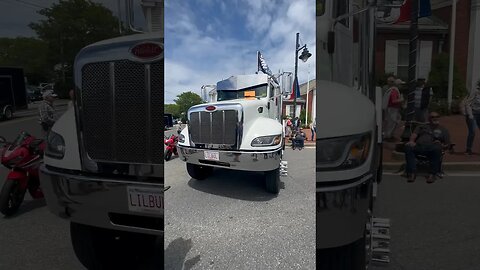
(260, 161)
(99, 202)
(342, 211)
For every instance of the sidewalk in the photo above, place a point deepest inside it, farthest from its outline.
(33, 107)
(452, 161)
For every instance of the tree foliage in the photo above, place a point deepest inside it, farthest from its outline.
(184, 101)
(438, 78)
(71, 25)
(26, 53)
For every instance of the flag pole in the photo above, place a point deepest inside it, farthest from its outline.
(452, 52)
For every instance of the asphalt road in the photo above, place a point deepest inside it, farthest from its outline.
(228, 221)
(34, 238)
(433, 226)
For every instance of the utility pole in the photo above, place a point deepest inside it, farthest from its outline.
(452, 52)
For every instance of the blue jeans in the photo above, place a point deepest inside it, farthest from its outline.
(471, 132)
(432, 152)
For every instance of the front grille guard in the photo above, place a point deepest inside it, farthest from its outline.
(108, 166)
(222, 107)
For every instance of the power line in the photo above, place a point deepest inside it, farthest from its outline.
(28, 4)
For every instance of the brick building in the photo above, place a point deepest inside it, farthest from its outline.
(302, 104)
(434, 37)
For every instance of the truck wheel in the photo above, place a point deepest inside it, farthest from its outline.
(98, 248)
(8, 113)
(272, 181)
(11, 197)
(199, 172)
(167, 155)
(349, 257)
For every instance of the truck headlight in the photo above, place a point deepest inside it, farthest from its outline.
(343, 152)
(267, 140)
(181, 138)
(55, 146)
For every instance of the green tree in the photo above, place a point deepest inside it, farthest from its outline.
(438, 78)
(172, 109)
(186, 100)
(71, 25)
(27, 53)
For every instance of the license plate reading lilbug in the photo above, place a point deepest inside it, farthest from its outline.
(212, 155)
(145, 199)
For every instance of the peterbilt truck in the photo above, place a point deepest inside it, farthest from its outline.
(103, 165)
(349, 142)
(242, 130)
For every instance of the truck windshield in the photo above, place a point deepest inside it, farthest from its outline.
(251, 92)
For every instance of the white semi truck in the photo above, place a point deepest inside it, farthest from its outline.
(103, 166)
(242, 130)
(349, 143)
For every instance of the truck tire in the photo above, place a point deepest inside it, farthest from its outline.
(8, 113)
(98, 248)
(349, 257)
(199, 172)
(272, 181)
(11, 197)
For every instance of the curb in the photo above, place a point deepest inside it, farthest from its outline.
(447, 166)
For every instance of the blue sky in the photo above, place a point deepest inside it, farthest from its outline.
(210, 40)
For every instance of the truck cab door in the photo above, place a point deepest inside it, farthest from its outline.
(274, 102)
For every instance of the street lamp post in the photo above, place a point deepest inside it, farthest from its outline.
(304, 57)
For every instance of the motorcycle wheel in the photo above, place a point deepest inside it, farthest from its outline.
(11, 197)
(167, 155)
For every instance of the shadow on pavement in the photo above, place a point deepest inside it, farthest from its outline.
(28, 206)
(176, 253)
(242, 185)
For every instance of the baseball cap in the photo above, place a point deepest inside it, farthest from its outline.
(49, 93)
(398, 81)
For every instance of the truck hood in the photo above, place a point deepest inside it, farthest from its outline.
(342, 111)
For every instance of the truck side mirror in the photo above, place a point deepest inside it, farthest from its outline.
(331, 42)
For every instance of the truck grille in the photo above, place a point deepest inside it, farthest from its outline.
(121, 111)
(218, 127)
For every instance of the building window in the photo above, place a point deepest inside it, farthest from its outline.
(402, 61)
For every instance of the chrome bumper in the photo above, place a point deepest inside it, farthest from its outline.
(97, 202)
(342, 212)
(260, 161)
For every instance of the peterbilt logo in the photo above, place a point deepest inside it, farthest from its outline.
(147, 50)
(211, 108)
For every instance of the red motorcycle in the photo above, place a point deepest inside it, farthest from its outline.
(22, 157)
(171, 148)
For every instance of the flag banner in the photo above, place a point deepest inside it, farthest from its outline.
(424, 10)
(295, 89)
(262, 65)
(389, 15)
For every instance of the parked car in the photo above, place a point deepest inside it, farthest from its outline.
(33, 93)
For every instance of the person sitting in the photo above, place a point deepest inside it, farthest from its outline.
(429, 140)
(299, 139)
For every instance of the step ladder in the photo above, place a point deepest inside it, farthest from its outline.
(380, 231)
(283, 168)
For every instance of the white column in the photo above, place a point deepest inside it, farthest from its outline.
(473, 64)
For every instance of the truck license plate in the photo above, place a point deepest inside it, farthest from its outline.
(212, 155)
(145, 199)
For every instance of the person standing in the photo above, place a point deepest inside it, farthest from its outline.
(422, 99)
(392, 103)
(47, 112)
(313, 128)
(474, 102)
(466, 110)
